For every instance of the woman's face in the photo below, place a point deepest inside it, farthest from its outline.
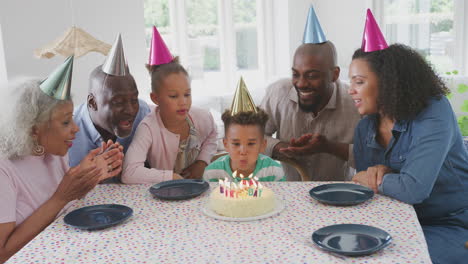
(174, 97)
(57, 134)
(364, 87)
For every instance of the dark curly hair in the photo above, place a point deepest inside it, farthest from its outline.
(159, 72)
(245, 118)
(405, 80)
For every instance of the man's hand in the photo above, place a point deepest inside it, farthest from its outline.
(108, 158)
(373, 177)
(307, 144)
(194, 171)
(112, 153)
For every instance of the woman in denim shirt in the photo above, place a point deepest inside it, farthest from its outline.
(409, 147)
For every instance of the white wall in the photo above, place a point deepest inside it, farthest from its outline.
(25, 29)
(3, 70)
(29, 24)
(281, 47)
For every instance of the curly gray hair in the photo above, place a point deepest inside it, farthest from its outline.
(25, 106)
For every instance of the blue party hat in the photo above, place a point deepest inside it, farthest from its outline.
(313, 31)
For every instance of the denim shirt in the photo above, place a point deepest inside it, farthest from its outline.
(88, 137)
(428, 159)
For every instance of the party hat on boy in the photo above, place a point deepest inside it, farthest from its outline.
(58, 84)
(242, 101)
(115, 63)
(372, 38)
(313, 32)
(159, 53)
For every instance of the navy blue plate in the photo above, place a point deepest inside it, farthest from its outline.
(98, 216)
(351, 239)
(179, 189)
(341, 193)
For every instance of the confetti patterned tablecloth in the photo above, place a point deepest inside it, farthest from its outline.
(178, 232)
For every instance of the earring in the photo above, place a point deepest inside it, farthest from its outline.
(37, 149)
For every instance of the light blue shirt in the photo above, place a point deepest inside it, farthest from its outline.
(88, 137)
(429, 160)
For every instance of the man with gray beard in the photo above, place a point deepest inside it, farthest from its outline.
(112, 111)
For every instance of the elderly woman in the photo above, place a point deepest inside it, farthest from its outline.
(36, 181)
(409, 146)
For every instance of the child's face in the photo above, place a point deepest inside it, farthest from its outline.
(244, 143)
(174, 96)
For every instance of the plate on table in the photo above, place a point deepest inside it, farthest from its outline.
(351, 239)
(278, 208)
(341, 193)
(179, 189)
(98, 216)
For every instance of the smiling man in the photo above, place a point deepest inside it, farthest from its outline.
(312, 116)
(311, 113)
(112, 111)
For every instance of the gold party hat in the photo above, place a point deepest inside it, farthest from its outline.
(242, 101)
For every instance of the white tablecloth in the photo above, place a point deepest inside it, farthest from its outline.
(178, 232)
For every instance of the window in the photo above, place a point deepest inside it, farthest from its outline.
(217, 40)
(429, 26)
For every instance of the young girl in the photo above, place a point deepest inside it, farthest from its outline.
(177, 140)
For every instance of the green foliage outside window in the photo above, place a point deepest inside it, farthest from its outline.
(156, 13)
(462, 119)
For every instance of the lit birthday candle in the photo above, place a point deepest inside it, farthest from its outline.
(226, 188)
(221, 187)
(234, 175)
(260, 190)
(231, 193)
(236, 190)
(242, 179)
(255, 189)
(250, 179)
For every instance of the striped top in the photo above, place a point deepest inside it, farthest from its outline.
(266, 169)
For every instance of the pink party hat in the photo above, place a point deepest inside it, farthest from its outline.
(159, 53)
(373, 38)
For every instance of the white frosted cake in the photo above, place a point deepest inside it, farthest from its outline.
(242, 203)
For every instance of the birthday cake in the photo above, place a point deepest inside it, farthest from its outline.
(246, 198)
